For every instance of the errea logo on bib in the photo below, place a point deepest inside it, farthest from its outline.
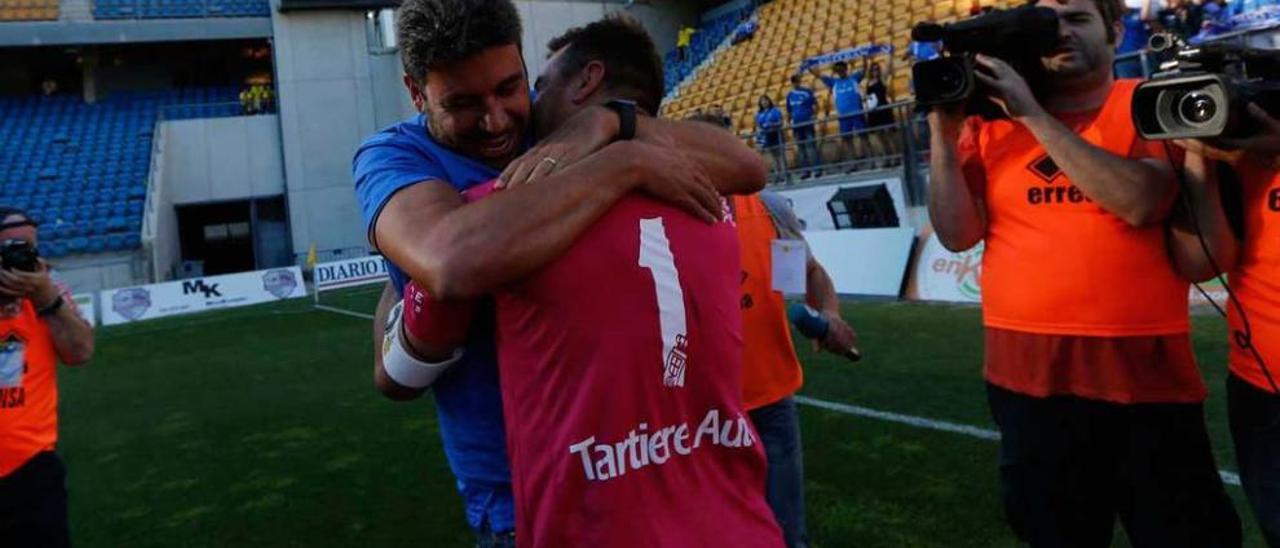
(642, 447)
(1273, 200)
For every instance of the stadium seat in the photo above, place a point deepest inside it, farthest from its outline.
(87, 165)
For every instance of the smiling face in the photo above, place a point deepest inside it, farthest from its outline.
(1086, 44)
(478, 106)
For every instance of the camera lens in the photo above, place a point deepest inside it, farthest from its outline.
(1197, 108)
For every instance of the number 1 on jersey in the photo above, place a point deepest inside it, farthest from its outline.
(655, 255)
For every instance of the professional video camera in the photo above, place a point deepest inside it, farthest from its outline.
(1019, 36)
(1204, 91)
(19, 255)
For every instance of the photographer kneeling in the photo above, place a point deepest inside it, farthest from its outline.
(1243, 236)
(39, 325)
(1090, 372)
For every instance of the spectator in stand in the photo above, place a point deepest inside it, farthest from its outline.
(802, 105)
(746, 29)
(49, 87)
(683, 40)
(1180, 17)
(722, 117)
(1137, 32)
(879, 116)
(769, 137)
(846, 93)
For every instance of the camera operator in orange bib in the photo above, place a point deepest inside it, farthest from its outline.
(39, 325)
(1090, 373)
(1240, 226)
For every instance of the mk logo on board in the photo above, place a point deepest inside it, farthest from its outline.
(1045, 168)
(198, 286)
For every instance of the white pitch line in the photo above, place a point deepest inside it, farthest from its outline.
(1230, 478)
(344, 312)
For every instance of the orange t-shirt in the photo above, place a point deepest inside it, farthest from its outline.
(770, 369)
(1075, 301)
(1055, 262)
(1256, 278)
(28, 389)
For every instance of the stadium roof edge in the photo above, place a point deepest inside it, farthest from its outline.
(67, 33)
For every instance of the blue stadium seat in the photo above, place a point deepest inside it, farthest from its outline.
(115, 242)
(79, 244)
(132, 241)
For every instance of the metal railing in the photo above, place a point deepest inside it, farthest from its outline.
(1149, 60)
(223, 109)
(898, 146)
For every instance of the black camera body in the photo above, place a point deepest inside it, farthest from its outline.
(1203, 92)
(19, 255)
(1018, 36)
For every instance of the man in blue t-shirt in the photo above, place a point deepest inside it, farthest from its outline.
(846, 93)
(466, 78)
(802, 106)
(1137, 33)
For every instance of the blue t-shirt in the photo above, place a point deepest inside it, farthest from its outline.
(468, 399)
(1136, 32)
(847, 92)
(769, 127)
(801, 105)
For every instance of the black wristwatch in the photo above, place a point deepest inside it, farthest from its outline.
(626, 118)
(51, 308)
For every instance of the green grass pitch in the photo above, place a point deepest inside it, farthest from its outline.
(260, 427)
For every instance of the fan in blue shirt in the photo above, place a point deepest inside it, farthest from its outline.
(802, 105)
(769, 135)
(846, 93)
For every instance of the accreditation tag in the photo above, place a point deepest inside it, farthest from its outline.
(790, 259)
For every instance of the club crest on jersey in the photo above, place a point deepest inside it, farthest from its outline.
(676, 361)
(13, 360)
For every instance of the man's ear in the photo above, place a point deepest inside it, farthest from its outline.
(415, 94)
(589, 81)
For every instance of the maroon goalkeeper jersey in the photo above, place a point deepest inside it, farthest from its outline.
(620, 364)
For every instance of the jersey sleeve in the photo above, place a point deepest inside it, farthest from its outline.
(828, 81)
(784, 217)
(382, 168)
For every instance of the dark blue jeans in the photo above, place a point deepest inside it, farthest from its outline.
(779, 427)
(1069, 467)
(1255, 428)
(33, 504)
(806, 147)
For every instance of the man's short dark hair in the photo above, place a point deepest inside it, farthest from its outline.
(431, 32)
(632, 66)
(1110, 10)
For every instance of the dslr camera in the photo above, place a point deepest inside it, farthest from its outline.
(1203, 92)
(1018, 36)
(19, 255)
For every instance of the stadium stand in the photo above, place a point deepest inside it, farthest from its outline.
(710, 35)
(793, 30)
(81, 170)
(167, 9)
(28, 10)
